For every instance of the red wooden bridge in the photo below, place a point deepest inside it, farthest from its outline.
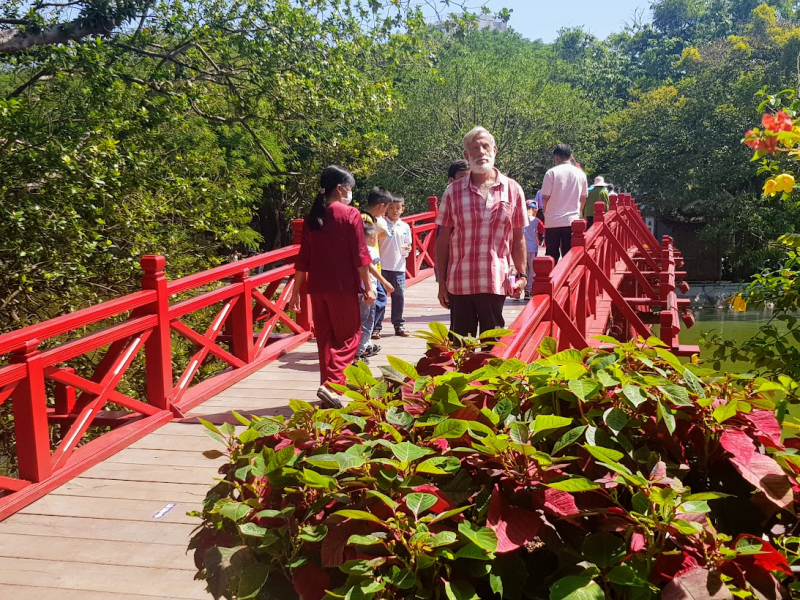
(104, 515)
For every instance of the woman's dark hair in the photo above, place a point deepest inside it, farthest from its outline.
(457, 166)
(332, 177)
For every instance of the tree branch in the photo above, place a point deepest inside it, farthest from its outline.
(44, 74)
(14, 41)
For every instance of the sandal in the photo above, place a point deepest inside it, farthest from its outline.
(401, 331)
(376, 334)
(372, 350)
(330, 399)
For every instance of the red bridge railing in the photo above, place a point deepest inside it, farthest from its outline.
(585, 294)
(234, 317)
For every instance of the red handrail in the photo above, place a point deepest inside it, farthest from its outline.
(246, 310)
(572, 301)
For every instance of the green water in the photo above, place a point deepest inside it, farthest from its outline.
(731, 324)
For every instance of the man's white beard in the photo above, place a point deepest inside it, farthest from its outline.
(486, 167)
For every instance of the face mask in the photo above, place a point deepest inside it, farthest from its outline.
(349, 198)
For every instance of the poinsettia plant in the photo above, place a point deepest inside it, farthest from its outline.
(616, 473)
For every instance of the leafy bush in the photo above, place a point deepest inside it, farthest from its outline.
(593, 474)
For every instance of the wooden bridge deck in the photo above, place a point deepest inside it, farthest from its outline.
(97, 536)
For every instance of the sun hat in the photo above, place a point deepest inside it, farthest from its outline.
(531, 203)
(600, 182)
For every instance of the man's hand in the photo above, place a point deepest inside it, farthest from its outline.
(519, 287)
(444, 297)
(294, 303)
(370, 297)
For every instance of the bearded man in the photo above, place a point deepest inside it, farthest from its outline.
(482, 218)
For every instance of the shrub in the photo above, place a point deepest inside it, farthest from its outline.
(617, 473)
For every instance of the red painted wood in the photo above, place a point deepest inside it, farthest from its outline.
(158, 348)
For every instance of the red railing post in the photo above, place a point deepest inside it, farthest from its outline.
(65, 395)
(579, 242)
(543, 284)
(158, 347)
(433, 204)
(242, 319)
(304, 318)
(30, 416)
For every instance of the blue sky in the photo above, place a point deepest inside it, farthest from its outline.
(541, 19)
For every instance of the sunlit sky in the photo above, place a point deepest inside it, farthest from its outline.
(541, 19)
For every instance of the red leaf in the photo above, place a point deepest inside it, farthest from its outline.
(769, 559)
(638, 542)
(760, 470)
(333, 546)
(668, 566)
(696, 584)
(311, 581)
(443, 503)
(513, 525)
(767, 428)
(560, 503)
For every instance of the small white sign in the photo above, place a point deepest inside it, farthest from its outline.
(160, 514)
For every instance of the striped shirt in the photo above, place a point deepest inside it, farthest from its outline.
(480, 246)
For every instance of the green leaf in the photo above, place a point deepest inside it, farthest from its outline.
(443, 538)
(323, 461)
(576, 587)
(408, 452)
(604, 454)
(313, 533)
(694, 383)
(403, 367)
(364, 540)
(695, 506)
(705, 496)
(496, 583)
(548, 347)
(234, 511)
(314, 480)
(665, 414)
(419, 503)
(676, 394)
(460, 590)
(358, 515)
(625, 575)
(604, 549)
(439, 465)
(546, 422)
(252, 529)
(450, 513)
(575, 484)
(606, 379)
(519, 432)
(634, 394)
(224, 565)
(252, 580)
(347, 461)
(402, 579)
(616, 419)
(572, 436)
(383, 497)
(726, 411)
(450, 428)
(584, 389)
(474, 552)
(397, 416)
(495, 333)
(483, 537)
(280, 459)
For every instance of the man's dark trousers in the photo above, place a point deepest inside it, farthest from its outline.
(469, 313)
(558, 240)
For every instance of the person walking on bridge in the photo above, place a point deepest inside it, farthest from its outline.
(597, 193)
(564, 192)
(334, 256)
(482, 218)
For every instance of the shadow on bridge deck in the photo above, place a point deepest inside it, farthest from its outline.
(105, 534)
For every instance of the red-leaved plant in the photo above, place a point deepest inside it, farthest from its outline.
(593, 474)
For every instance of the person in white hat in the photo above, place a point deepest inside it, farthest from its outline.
(597, 193)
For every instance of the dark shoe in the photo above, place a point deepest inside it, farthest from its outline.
(528, 295)
(361, 358)
(330, 399)
(401, 331)
(372, 350)
(376, 334)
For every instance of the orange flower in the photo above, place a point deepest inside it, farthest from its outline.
(778, 122)
(754, 142)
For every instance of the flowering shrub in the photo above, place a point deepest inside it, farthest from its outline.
(584, 475)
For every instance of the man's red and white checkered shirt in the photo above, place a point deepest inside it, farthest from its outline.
(480, 246)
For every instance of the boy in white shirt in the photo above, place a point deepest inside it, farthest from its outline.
(395, 247)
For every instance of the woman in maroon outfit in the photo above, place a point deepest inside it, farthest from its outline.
(334, 258)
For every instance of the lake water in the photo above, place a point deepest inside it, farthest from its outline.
(729, 323)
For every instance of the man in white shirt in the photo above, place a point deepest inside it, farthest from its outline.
(564, 192)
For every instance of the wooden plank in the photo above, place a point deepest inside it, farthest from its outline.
(150, 473)
(96, 552)
(133, 490)
(36, 592)
(172, 458)
(153, 532)
(110, 508)
(178, 444)
(161, 583)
